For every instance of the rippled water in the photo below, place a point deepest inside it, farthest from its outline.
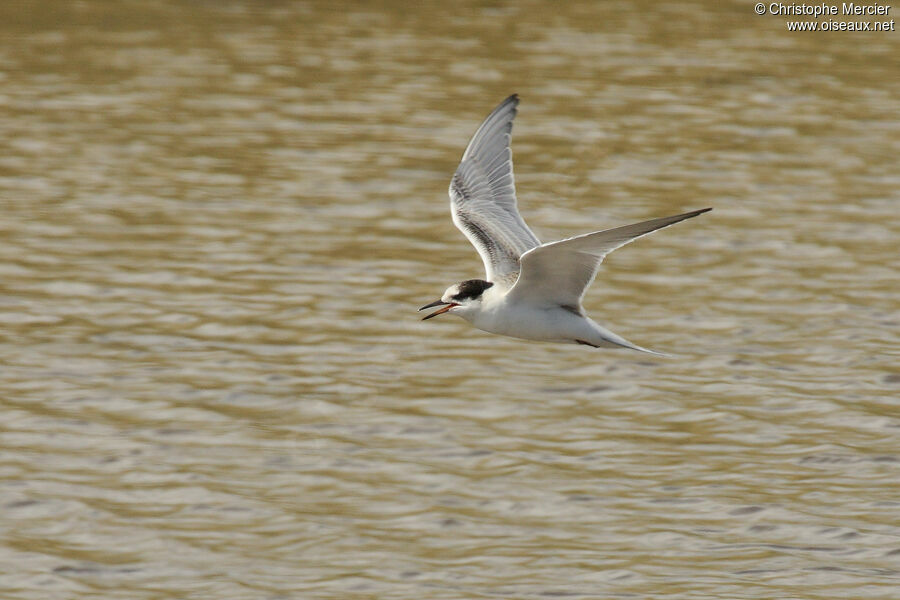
(218, 220)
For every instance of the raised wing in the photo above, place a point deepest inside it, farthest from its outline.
(483, 197)
(558, 273)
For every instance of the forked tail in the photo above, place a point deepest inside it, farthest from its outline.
(604, 338)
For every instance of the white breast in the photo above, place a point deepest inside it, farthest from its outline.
(554, 324)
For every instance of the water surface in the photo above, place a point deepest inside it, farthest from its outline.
(218, 220)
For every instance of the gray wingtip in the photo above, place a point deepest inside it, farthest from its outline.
(511, 101)
(694, 213)
(685, 216)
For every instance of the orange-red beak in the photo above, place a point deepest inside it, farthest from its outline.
(446, 306)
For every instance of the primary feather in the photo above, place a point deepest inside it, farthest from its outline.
(483, 197)
(558, 273)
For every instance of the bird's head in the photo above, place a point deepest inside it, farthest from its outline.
(462, 298)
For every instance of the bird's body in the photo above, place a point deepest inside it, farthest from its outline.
(503, 314)
(532, 291)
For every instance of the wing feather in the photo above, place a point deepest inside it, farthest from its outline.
(558, 273)
(483, 197)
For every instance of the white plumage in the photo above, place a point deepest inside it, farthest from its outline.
(531, 290)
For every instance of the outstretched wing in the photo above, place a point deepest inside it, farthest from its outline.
(483, 198)
(558, 273)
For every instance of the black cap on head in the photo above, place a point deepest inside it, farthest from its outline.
(471, 289)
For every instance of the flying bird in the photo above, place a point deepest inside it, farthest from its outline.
(531, 291)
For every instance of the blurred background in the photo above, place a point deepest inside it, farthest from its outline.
(219, 218)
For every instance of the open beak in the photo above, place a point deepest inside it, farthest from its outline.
(446, 306)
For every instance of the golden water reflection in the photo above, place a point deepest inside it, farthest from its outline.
(218, 221)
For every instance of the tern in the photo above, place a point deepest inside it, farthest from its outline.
(531, 291)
